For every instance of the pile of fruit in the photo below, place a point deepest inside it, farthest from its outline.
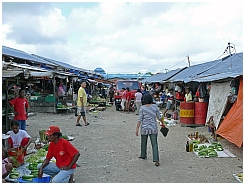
(14, 174)
(208, 151)
(36, 158)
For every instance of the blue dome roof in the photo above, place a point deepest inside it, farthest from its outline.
(99, 70)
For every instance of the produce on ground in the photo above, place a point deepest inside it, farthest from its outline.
(208, 151)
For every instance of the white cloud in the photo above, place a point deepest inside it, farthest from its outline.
(127, 37)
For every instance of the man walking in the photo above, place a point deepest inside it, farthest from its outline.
(81, 104)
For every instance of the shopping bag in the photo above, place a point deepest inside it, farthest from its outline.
(164, 131)
(18, 156)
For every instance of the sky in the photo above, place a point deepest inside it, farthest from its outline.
(125, 37)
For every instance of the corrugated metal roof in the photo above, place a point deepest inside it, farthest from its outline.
(22, 55)
(211, 71)
(62, 64)
(161, 77)
(231, 67)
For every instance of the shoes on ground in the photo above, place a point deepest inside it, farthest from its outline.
(142, 157)
(157, 163)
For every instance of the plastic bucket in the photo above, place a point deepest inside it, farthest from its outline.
(187, 112)
(201, 109)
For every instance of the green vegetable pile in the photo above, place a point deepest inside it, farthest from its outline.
(210, 151)
(28, 178)
(14, 174)
(60, 105)
(36, 158)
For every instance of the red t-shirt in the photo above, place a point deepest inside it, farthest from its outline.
(128, 95)
(20, 106)
(63, 152)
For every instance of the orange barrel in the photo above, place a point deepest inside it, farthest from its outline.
(187, 112)
(201, 109)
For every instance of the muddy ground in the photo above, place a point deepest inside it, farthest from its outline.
(109, 151)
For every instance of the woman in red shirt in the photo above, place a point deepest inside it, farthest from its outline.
(65, 154)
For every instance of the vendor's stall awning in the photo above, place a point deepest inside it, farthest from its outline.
(10, 73)
(41, 74)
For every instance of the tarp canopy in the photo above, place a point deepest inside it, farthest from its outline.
(232, 126)
(217, 101)
(41, 74)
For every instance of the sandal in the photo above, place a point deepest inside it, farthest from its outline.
(78, 125)
(142, 157)
(87, 124)
(157, 163)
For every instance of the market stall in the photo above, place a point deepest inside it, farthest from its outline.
(25, 167)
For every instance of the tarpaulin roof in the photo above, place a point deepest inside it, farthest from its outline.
(211, 71)
(232, 126)
(161, 77)
(22, 55)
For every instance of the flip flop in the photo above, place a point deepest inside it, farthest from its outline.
(78, 125)
(87, 124)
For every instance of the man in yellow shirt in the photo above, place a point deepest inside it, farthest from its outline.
(81, 104)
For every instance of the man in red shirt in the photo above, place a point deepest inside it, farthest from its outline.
(20, 109)
(65, 154)
(128, 100)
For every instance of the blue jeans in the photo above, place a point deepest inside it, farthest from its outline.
(154, 145)
(59, 176)
(22, 124)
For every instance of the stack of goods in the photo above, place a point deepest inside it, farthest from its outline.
(200, 137)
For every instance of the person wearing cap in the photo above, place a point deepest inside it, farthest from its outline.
(65, 155)
(81, 104)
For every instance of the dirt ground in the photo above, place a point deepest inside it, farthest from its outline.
(109, 151)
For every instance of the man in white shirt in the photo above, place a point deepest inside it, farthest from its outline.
(170, 99)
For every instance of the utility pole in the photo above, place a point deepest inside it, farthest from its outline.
(188, 59)
(229, 47)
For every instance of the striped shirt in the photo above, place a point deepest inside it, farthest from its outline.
(148, 117)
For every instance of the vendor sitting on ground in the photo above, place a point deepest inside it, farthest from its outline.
(18, 138)
(65, 155)
(212, 128)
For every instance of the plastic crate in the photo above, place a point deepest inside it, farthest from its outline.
(36, 180)
(50, 98)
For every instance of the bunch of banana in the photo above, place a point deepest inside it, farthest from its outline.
(28, 178)
(34, 173)
(14, 174)
(204, 151)
(217, 146)
(195, 141)
(198, 149)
